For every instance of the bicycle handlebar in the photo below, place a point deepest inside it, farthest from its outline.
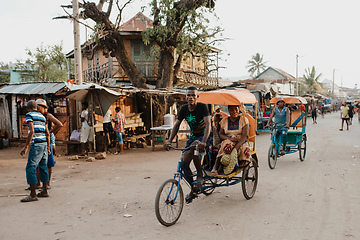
(196, 151)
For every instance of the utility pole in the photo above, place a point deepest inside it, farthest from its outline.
(333, 82)
(297, 86)
(77, 46)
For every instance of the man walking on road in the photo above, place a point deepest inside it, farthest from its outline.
(344, 117)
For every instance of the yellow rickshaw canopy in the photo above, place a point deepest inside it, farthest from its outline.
(227, 97)
(289, 100)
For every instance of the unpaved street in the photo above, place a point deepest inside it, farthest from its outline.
(315, 199)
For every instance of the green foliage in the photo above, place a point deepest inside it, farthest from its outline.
(312, 80)
(45, 64)
(186, 30)
(4, 78)
(256, 65)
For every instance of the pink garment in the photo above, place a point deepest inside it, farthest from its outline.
(120, 122)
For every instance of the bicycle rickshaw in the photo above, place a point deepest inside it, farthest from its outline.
(296, 136)
(169, 200)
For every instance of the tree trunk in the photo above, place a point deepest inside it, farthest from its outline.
(166, 68)
(113, 41)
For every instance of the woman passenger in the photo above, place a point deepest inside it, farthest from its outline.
(233, 133)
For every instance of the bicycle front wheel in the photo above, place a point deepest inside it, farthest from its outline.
(250, 179)
(169, 202)
(272, 156)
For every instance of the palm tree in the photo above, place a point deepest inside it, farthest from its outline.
(256, 65)
(311, 80)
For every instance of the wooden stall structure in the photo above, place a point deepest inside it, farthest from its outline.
(17, 96)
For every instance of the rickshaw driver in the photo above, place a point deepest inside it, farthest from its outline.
(282, 117)
(198, 117)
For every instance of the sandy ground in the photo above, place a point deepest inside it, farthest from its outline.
(314, 199)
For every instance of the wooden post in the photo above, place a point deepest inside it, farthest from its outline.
(77, 45)
(92, 118)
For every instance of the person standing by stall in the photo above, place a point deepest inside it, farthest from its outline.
(50, 119)
(39, 142)
(119, 128)
(107, 125)
(87, 134)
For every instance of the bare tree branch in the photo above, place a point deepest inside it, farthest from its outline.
(119, 17)
(69, 16)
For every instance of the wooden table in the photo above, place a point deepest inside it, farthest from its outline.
(159, 135)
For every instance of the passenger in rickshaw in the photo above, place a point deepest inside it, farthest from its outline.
(233, 133)
(282, 117)
(215, 142)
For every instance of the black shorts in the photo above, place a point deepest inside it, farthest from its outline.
(107, 127)
(313, 114)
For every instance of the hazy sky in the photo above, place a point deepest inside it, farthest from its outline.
(324, 33)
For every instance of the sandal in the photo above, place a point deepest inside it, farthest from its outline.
(28, 189)
(42, 194)
(197, 185)
(28, 199)
(190, 197)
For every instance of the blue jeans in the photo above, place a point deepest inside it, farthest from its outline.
(282, 132)
(38, 157)
(119, 136)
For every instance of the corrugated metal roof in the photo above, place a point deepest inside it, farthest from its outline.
(33, 88)
(138, 23)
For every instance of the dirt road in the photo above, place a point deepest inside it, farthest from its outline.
(314, 199)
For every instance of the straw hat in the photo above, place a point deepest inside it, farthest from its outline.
(217, 108)
(229, 161)
(42, 103)
(279, 100)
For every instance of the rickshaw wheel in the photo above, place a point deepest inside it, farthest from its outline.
(250, 179)
(272, 158)
(209, 185)
(302, 148)
(167, 209)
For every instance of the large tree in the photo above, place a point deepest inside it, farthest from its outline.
(256, 65)
(44, 64)
(312, 80)
(4, 77)
(180, 27)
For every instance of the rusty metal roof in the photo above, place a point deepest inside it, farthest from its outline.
(33, 88)
(138, 23)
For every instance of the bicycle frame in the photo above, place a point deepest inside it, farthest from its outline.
(276, 139)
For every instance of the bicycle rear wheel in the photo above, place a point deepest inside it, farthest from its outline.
(250, 179)
(169, 202)
(272, 156)
(302, 148)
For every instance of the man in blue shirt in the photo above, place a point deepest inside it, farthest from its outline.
(282, 117)
(39, 142)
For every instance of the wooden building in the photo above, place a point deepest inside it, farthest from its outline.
(99, 67)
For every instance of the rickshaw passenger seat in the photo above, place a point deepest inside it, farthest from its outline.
(297, 119)
(252, 127)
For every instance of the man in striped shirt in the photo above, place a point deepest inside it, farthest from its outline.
(39, 142)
